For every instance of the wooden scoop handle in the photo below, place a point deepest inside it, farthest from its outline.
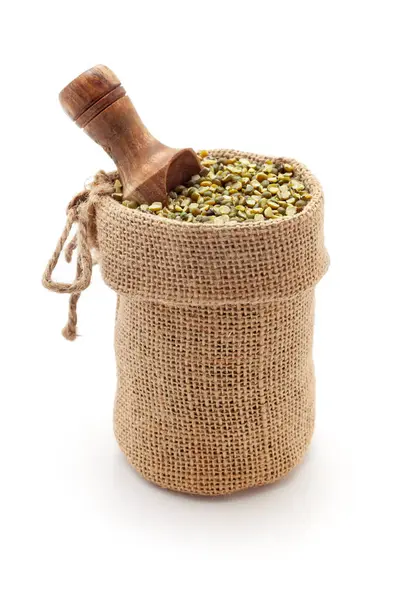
(98, 103)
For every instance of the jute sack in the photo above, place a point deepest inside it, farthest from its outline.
(213, 336)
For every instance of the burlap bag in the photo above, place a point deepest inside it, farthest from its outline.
(213, 336)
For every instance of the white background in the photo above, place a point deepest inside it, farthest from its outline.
(314, 80)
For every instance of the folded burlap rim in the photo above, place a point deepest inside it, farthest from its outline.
(100, 220)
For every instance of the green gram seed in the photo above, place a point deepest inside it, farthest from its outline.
(230, 190)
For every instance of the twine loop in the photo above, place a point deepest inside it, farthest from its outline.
(77, 212)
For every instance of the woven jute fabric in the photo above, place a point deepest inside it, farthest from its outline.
(213, 339)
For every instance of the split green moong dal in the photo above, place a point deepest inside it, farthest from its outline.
(231, 190)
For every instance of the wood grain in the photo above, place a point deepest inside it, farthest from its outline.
(148, 169)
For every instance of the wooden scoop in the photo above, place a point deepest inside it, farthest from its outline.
(97, 102)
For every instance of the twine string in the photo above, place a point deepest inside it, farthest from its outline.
(77, 212)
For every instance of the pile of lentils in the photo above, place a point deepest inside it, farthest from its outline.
(231, 190)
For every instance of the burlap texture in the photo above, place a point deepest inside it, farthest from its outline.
(213, 341)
